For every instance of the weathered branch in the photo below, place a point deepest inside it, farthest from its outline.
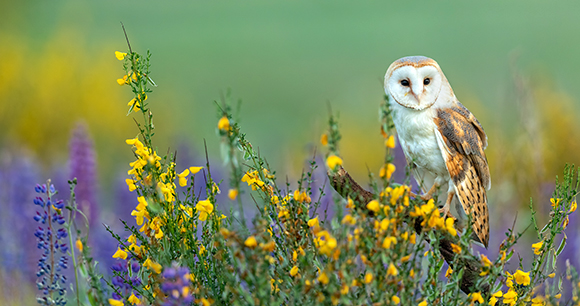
(346, 186)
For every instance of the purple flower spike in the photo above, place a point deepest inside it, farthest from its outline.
(135, 267)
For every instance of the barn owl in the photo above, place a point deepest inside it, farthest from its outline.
(443, 142)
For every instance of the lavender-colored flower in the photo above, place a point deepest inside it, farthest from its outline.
(83, 167)
(53, 259)
(176, 286)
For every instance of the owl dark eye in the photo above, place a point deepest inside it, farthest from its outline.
(405, 82)
(426, 81)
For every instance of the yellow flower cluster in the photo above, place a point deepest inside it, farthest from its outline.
(145, 156)
(325, 242)
(253, 180)
(432, 218)
(387, 171)
(511, 296)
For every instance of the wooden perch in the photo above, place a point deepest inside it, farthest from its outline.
(346, 186)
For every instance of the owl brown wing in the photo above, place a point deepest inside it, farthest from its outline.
(462, 141)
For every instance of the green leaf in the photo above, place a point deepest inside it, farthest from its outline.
(562, 245)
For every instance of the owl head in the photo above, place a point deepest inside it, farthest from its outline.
(415, 82)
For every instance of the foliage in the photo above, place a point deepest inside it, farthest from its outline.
(186, 251)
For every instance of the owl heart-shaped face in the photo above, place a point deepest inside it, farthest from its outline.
(415, 83)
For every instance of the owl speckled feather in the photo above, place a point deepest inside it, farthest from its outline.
(443, 142)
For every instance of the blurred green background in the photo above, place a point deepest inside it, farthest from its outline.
(512, 63)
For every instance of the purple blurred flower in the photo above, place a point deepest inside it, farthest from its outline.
(176, 286)
(83, 167)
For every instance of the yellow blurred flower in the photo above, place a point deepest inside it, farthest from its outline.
(251, 242)
(325, 242)
(120, 55)
(537, 246)
(455, 248)
(233, 194)
(348, 219)
(388, 241)
(396, 300)
(131, 184)
(133, 299)
(324, 139)
(476, 297)
(114, 302)
(538, 301)
(448, 272)
(294, 271)
(555, 202)
(313, 222)
(224, 124)
(323, 278)
(423, 303)
(552, 275)
(151, 265)
(333, 161)
(390, 142)
(392, 270)
(368, 277)
(79, 245)
(573, 207)
(373, 206)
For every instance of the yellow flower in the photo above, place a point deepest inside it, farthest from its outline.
(388, 241)
(313, 222)
(204, 208)
(392, 270)
(349, 203)
(183, 177)
(114, 302)
(449, 226)
(151, 265)
(348, 219)
(494, 297)
(79, 245)
(251, 242)
(413, 238)
(390, 170)
(552, 275)
(476, 297)
(565, 223)
(368, 277)
(537, 246)
(233, 194)
(133, 299)
(120, 55)
(538, 301)
(522, 278)
(131, 184)
(486, 262)
(510, 297)
(390, 142)
(224, 124)
(323, 278)
(344, 289)
(573, 207)
(294, 271)
(424, 303)
(205, 302)
(555, 202)
(120, 254)
(333, 161)
(327, 244)
(324, 139)
(448, 272)
(396, 299)
(373, 206)
(455, 248)
(559, 295)
(405, 258)
(195, 170)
